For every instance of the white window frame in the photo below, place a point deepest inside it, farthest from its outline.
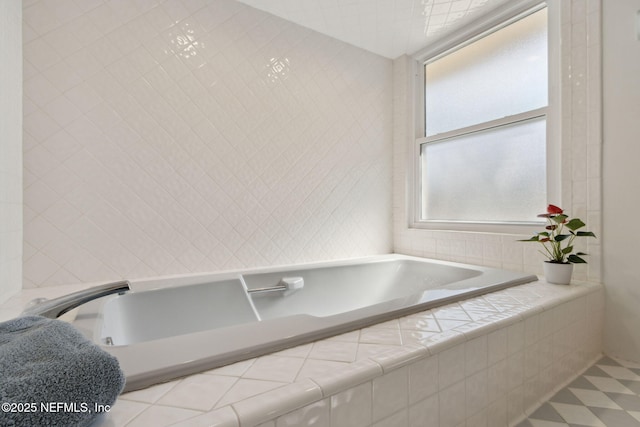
(499, 18)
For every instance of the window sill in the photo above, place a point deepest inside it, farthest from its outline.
(479, 227)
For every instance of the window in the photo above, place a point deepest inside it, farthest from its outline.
(483, 157)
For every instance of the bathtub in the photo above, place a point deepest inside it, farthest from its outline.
(167, 328)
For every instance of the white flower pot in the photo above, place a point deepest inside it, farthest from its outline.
(559, 274)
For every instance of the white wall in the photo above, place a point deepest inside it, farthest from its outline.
(621, 234)
(10, 148)
(172, 137)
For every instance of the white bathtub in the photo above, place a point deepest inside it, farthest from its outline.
(171, 327)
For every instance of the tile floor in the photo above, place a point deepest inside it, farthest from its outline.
(606, 395)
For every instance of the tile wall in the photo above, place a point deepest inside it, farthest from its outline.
(487, 361)
(621, 67)
(175, 136)
(491, 380)
(10, 148)
(581, 177)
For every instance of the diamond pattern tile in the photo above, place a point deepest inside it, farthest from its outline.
(176, 136)
(587, 401)
(11, 175)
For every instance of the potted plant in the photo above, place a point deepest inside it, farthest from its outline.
(557, 241)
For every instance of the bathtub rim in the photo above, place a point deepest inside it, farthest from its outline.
(156, 282)
(192, 353)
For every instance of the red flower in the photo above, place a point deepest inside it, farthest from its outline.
(553, 209)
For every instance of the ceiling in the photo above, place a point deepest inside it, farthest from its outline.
(387, 27)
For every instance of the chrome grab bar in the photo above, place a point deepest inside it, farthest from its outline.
(277, 288)
(285, 284)
(54, 308)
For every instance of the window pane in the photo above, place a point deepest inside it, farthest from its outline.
(494, 175)
(502, 74)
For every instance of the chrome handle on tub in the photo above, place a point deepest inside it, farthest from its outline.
(56, 307)
(285, 284)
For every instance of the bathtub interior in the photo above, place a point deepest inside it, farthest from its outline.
(328, 291)
(144, 316)
(211, 320)
(331, 291)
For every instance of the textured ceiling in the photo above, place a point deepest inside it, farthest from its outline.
(387, 27)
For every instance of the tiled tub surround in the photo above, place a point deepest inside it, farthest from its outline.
(484, 362)
(167, 328)
(176, 136)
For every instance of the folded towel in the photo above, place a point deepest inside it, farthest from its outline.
(51, 375)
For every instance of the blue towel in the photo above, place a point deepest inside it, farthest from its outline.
(51, 375)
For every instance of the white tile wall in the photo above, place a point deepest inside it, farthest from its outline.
(177, 136)
(10, 148)
(501, 383)
(581, 159)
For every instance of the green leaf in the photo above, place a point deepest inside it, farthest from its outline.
(561, 237)
(576, 259)
(560, 218)
(585, 233)
(574, 224)
(533, 239)
(567, 250)
(581, 253)
(544, 234)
